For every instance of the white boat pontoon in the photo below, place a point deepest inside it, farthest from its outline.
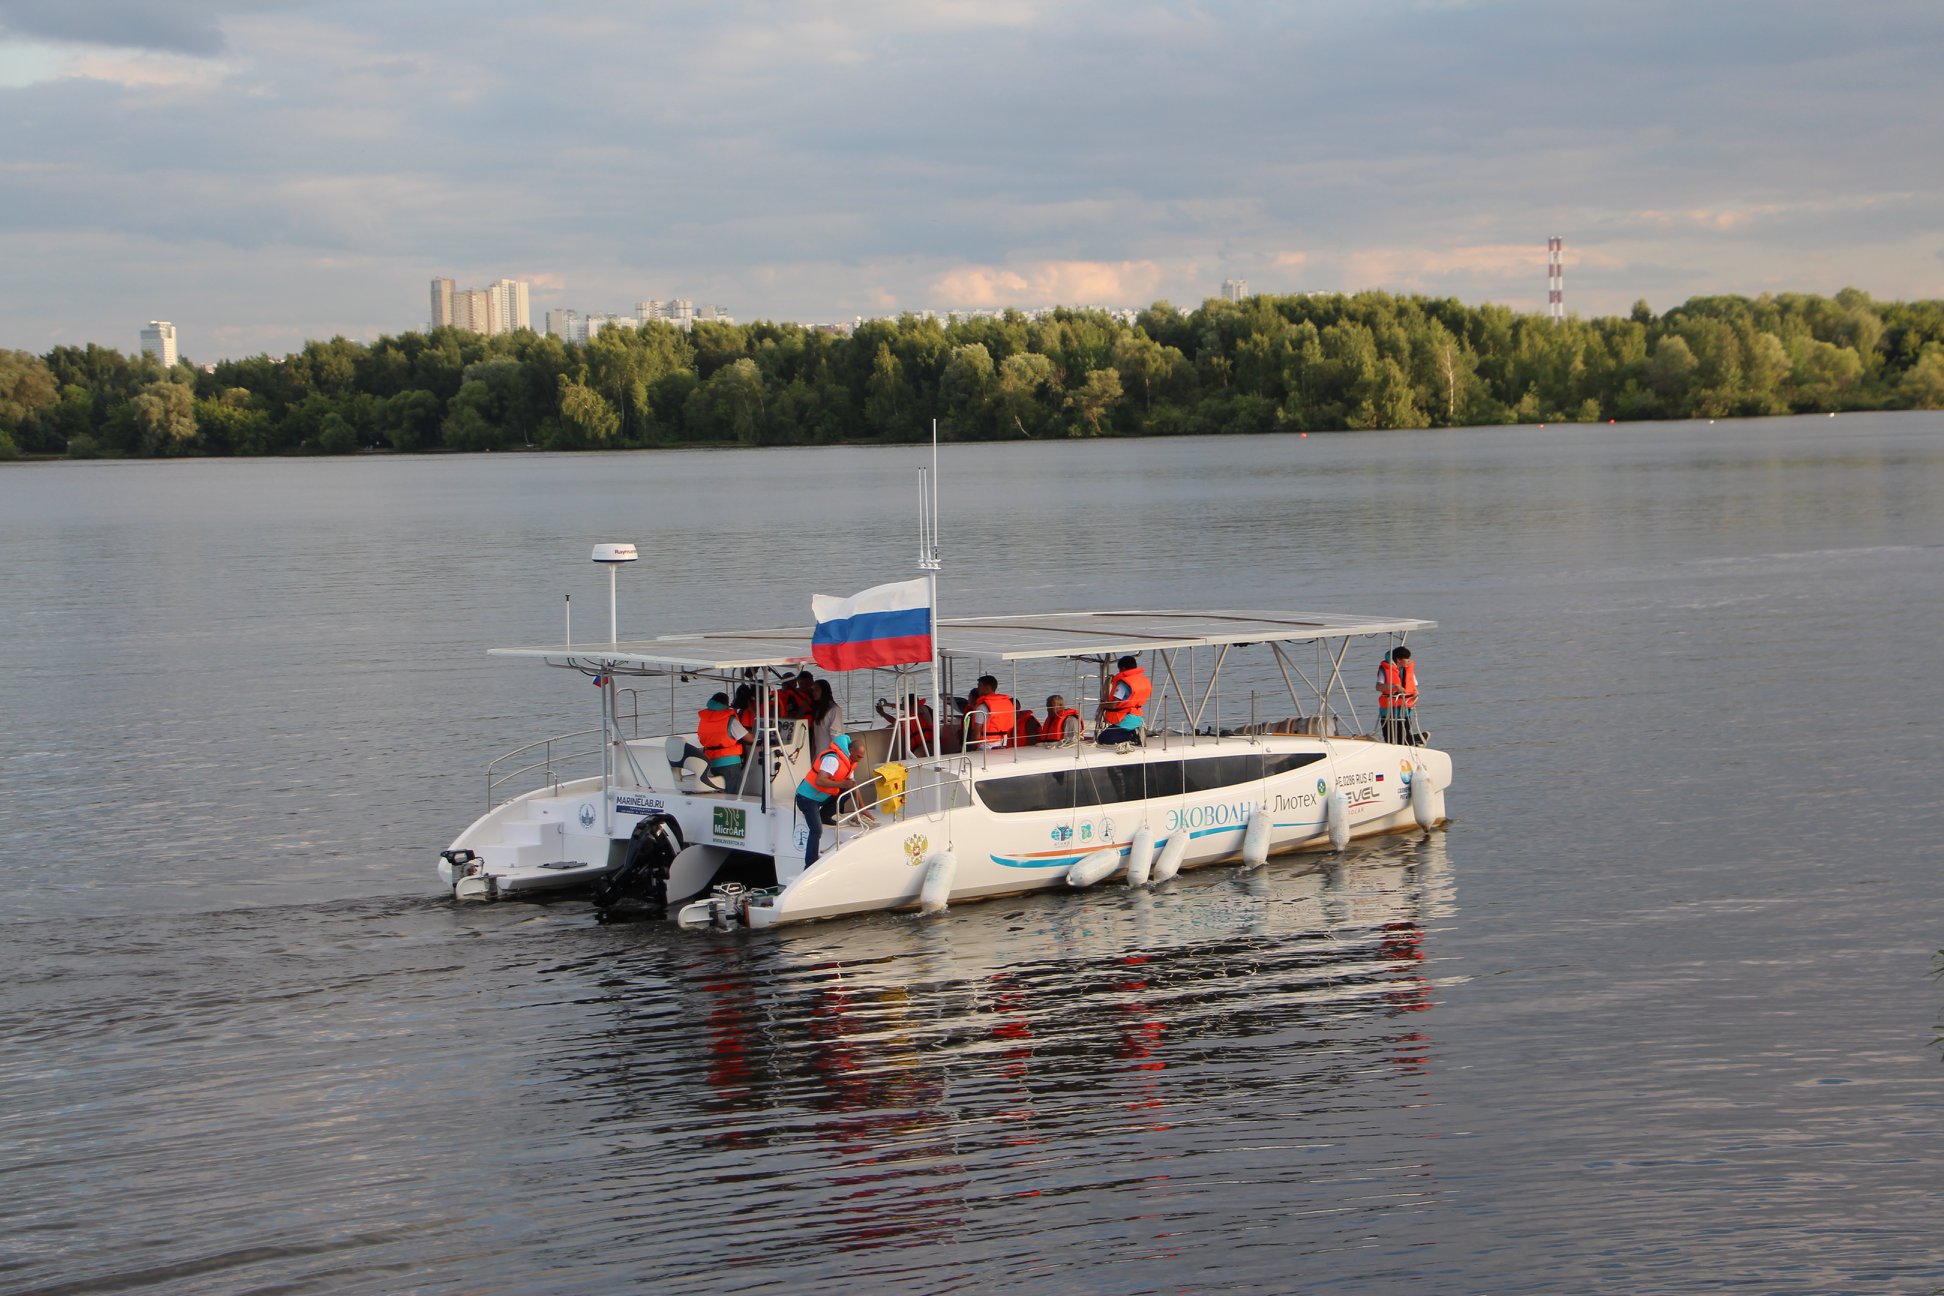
(1216, 780)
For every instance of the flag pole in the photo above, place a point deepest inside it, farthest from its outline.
(928, 562)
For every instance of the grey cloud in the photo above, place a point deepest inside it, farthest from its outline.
(135, 24)
(635, 150)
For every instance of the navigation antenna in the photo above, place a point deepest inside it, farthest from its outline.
(930, 563)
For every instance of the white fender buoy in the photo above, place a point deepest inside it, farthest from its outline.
(939, 868)
(1140, 857)
(1169, 864)
(1427, 799)
(1336, 817)
(1255, 838)
(1093, 868)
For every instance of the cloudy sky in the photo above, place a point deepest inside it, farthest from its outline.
(266, 171)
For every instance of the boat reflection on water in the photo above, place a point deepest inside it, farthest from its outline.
(1241, 1042)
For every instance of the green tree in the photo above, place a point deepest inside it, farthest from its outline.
(1017, 405)
(887, 403)
(27, 388)
(165, 417)
(1671, 374)
(730, 405)
(1923, 386)
(586, 418)
(965, 389)
(1092, 400)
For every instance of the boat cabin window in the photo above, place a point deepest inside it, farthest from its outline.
(1076, 788)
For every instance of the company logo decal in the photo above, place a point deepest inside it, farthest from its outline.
(586, 815)
(731, 822)
(914, 847)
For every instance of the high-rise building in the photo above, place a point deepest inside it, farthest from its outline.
(649, 310)
(567, 325)
(498, 309)
(472, 309)
(441, 303)
(1235, 289)
(510, 302)
(159, 340)
(682, 312)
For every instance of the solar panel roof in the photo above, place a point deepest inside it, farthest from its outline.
(1000, 638)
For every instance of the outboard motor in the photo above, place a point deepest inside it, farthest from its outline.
(643, 874)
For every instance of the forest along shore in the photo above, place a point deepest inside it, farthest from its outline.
(1300, 363)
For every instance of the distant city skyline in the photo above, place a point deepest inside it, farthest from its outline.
(269, 174)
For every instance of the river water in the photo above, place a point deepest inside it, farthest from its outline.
(1656, 1013)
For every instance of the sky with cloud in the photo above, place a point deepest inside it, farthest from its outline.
(266, 171)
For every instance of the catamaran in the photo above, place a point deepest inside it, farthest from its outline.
(920, 826)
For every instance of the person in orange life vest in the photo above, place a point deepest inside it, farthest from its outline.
(1123, 708)
(721, 735)
(1061, 722)
(989, 721)
(918, 723)
(817, 795)
(1026, 730)
(1397, 695)
(797, 699)
(744, 705)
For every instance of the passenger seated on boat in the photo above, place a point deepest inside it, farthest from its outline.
(1123, 706)
(1026, 729)
(917, 722)
(989, 721)
(1062, 722)
(721, 735)
(744, 705)
(797, 699)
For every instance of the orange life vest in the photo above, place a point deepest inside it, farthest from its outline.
(831, 784)
(999, 714)
(1395, 688)
(1139, 689)
(917, 735)
(712, 727)
(793, 703)
(1026, 728)
(1054, 730)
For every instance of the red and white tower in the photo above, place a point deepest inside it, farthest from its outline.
(1556, 279)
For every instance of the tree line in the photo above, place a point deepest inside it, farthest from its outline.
(1310, 363)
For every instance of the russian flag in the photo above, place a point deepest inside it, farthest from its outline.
(886, 625)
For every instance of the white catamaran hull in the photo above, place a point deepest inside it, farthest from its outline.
(569, 835)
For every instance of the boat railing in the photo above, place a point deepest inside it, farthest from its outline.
(553, 755)
(956, 775)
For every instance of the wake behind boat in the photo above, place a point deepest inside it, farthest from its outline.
(917, 826)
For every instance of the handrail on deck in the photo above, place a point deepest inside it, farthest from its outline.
(855, 814)
(494, 782)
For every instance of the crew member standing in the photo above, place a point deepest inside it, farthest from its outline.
(828, 777)
(1123, 707)
(1397, 695)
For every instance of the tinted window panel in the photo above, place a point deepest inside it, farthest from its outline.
(1080, 788)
